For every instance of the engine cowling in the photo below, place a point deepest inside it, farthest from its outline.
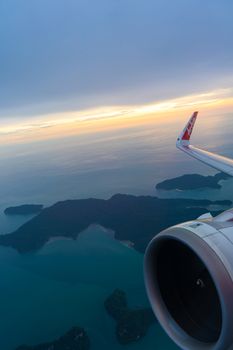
(189, 281)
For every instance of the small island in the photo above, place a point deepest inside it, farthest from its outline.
(75, 339)
(192, 182)
(132, 325)
(132, 218)
(25, 209)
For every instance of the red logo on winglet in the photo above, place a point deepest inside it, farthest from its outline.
(189, 127)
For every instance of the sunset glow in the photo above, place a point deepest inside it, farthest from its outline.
(112, 117)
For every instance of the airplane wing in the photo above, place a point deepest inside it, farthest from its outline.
(216, 161)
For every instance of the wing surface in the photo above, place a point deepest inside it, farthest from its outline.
(214, 160)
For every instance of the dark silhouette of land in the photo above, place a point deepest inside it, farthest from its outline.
(25, 209)
(75, 339)
(132, 218)
(131, 325)
(192, 182)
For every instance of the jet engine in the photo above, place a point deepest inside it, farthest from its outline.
(189, 281)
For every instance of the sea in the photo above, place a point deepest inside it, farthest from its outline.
(44, 294)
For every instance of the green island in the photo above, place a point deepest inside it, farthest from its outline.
(132, 218)
(131, 325)
(25, 209)
(75, 339)
(192, 182)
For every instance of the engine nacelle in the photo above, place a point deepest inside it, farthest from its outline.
(189, 281)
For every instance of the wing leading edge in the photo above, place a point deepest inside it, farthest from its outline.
(216, 161)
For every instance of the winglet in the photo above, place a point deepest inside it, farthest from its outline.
(216, 161)
(183, 139)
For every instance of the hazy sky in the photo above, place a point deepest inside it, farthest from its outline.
(70, 54)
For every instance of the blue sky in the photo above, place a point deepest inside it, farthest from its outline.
(72, 54)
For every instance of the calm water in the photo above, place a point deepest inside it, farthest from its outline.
(65, 284)
(132, 160)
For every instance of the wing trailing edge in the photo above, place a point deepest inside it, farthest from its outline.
(216, 161)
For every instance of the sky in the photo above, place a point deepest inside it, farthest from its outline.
(63, 60)
(93, 91)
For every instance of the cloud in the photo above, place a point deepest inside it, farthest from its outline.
(59, 54)
(64, 124)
